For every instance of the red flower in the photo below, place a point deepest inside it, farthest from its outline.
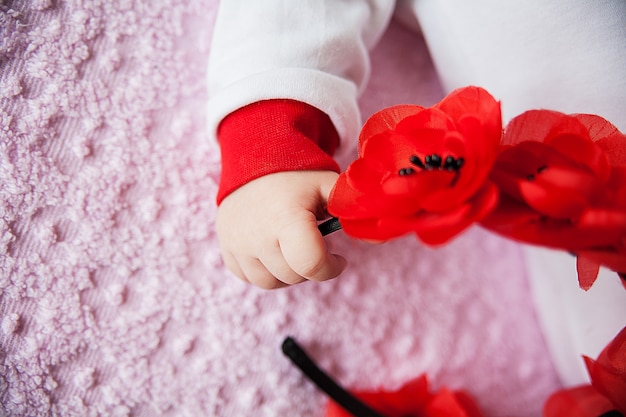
(562, 181)
(422, 170)
(414, 400)
(606, 392)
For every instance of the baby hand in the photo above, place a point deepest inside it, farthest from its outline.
(268, 230)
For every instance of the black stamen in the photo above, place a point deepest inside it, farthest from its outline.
(541, 169)
(459, 163)
(450, 163)
(416, 161)
(433, 161)
(406, 171)
(342, 397)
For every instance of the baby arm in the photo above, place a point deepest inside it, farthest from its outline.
(277, 169)
(277, 173)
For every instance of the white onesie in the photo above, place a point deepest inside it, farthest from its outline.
(565, 55)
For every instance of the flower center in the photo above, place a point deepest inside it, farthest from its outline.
(432, 162)
(531, 177)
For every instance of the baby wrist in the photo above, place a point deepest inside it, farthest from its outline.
(274, 136)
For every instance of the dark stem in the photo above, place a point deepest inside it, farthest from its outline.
(612, 413)
(329, 226)
(342, 397)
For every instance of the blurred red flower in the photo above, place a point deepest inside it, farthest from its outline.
(414, 400)
(607, 391)
(562, 182)
(422, 170)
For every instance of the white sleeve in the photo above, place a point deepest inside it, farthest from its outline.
(314, 51)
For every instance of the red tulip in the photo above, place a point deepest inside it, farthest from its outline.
(606, 392)
(562, 182)
(414, 400)
(422, 170)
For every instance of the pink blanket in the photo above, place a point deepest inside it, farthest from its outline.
(114, 299)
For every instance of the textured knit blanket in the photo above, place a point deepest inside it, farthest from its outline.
(114, 300)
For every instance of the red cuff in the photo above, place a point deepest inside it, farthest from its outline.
(274, 136)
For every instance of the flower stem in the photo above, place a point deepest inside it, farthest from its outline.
(342, 397)
(329, 226)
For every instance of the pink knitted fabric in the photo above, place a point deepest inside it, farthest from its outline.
(114, 299)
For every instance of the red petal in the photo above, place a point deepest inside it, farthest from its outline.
(530, 155)
(516, 163)
(385, 120)
(479, 142)
(571, 135)
(408, 401)
(371, 229)
(366, 175)
(561, 192)
(612, 221)
(431, 228)
(391, 149)
(533, 125)
(431, 118)
(608, 381)
(582, 401)
(468, 404)
(334, 410)
(614, 354)
(445, 404)
(567, 125)
(479, 158)
(609, 258)
(343, 199)
(358, 193)
(516, 220)
(587, 272)
(615, 149)
(583, 151)
(366, 191)
(599, 128)
(418, 187)
(509, 215)
(438, 228)
(477, 102)
(617, 184)
(468, 100)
